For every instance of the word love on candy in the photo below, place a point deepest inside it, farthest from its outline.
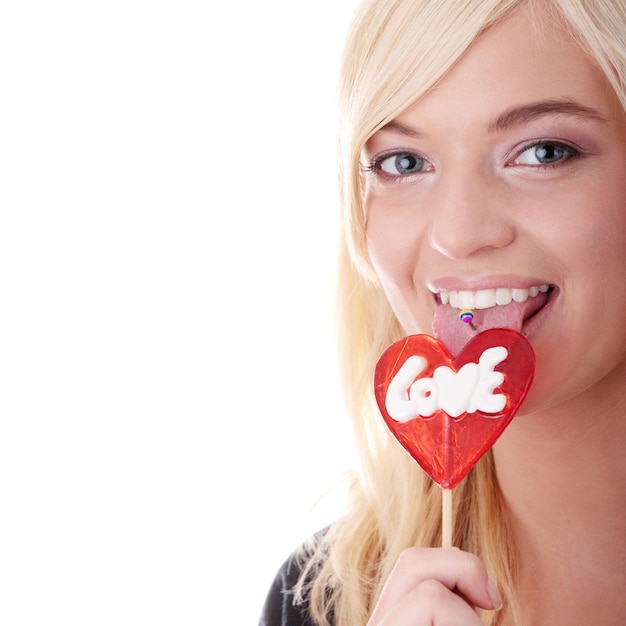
(469, 390)
(447, 412)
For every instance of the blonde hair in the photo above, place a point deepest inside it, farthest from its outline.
(395, 52)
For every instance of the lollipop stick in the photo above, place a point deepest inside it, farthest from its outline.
(446, 518)
(446, 494)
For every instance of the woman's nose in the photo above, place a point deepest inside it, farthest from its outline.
(469, 216)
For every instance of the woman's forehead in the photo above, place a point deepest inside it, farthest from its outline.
(511, 75)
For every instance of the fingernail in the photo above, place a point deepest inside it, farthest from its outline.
(494, 596)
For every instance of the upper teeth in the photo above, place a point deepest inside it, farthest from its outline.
(487, 298)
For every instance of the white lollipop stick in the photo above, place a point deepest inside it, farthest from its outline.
(446, 518)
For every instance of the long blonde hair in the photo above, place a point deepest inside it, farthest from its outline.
(395, 52)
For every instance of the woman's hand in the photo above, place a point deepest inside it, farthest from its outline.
(435, 587)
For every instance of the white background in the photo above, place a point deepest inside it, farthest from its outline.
(168, 404)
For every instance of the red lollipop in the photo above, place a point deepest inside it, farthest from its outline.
(447, 412)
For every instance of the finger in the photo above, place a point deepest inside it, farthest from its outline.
(430, 604)
(454, 569)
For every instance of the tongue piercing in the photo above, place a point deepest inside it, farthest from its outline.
(467, 316)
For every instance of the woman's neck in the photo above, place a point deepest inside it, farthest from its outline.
(563, 477)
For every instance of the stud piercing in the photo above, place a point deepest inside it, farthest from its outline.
(467, 317)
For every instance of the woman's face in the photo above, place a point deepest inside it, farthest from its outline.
(507, 179)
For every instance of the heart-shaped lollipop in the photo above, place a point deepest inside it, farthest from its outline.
(447, 412)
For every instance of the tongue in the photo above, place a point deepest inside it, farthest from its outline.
(454, 333)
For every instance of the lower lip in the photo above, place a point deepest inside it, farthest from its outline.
(532, 326)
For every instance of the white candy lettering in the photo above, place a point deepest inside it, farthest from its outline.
(469, 390)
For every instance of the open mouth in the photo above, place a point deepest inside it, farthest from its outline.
(488, 298)
(503, 307)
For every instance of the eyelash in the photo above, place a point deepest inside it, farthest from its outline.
(375, 167)
(570, 153)
(569, 150)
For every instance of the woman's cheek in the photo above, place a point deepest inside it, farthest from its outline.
(392, 239)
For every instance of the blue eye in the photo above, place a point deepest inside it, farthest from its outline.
(401, 164)
(545, 153)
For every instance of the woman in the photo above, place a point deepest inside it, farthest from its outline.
(483, 152)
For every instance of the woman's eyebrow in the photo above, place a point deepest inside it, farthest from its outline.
(527, 113)
(515, 116)
(396, 127)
